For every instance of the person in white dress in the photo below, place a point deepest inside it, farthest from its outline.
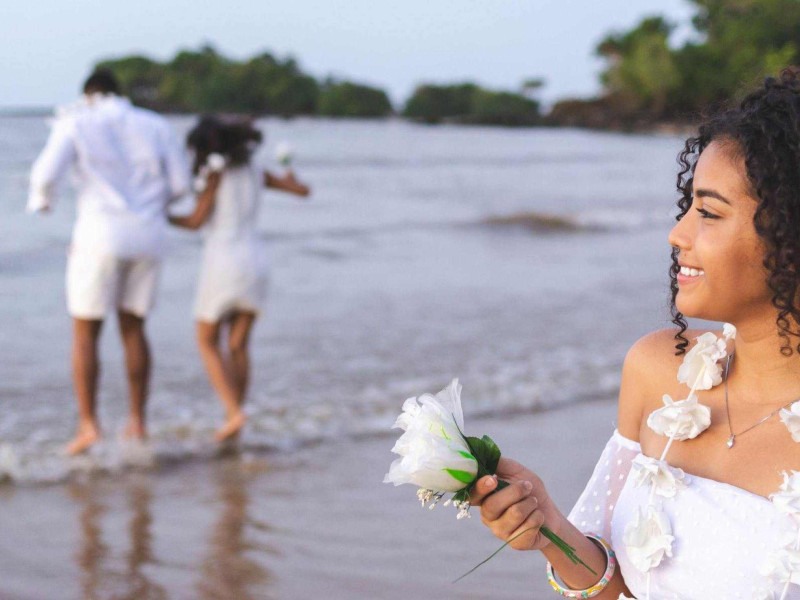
(128, 165)
(697, 495)
(233, 275)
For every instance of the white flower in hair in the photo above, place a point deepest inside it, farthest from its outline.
(700, 369)
(791, 418)
(648, 539)
(665, 480)
(215, 162)
(787, 498)
(681, 420)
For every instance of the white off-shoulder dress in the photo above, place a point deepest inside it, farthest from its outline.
(233, 272)
(723, 534)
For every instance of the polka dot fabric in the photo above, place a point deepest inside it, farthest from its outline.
(723, 534)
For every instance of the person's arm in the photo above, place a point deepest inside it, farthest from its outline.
(287, 183)
(204, 206)
(51, 166)
(175, 165)
(526, 503)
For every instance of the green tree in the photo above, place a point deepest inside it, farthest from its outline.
(347, 99)
(642, 72)
(502, 108)
(736, 44)
(434, 103)
(205, 80)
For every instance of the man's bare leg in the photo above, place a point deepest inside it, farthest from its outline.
(85, 373)
(221, 381)
(137, 365)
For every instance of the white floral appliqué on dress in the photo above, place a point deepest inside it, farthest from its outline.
(723, 535)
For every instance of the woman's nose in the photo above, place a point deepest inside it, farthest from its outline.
(680, 236)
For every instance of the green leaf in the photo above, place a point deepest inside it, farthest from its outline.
(462, 476)
(493, 454)
(486, 453)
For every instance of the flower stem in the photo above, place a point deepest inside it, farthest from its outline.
(559, 543)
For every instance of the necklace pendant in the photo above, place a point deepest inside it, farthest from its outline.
(731, 441)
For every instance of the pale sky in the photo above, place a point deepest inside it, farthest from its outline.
(48, 46)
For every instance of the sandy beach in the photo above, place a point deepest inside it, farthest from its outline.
(312, 523)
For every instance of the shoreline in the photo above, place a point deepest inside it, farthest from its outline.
(669, 128)
(313, 521)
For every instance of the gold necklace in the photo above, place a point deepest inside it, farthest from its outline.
(732, 439)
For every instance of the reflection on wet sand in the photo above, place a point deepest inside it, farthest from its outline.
(228, 571)
(101, 576)
(118, 538)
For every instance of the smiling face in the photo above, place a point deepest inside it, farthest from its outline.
(722, 277)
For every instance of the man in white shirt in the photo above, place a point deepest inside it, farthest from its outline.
(128, 166)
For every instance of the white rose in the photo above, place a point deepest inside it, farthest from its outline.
(729, 331)
(787, 498)
(700, 369)
(434, 454)
(791, 418)
(681, 420)
(665, 479)
(648, 539)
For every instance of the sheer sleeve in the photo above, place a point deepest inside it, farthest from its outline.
(592, 513)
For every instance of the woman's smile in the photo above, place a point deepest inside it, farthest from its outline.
(689, 274)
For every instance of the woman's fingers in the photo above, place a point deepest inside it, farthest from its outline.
(525, 534)
(483, 487)
(493, 507)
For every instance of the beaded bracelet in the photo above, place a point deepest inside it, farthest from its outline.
(591, 592)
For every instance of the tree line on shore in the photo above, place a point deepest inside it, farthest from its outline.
(207, 81)
(646, 80)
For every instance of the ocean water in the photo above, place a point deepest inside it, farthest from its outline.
(523, 262)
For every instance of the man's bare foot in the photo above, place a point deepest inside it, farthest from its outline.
(87, 436)
(231, 428)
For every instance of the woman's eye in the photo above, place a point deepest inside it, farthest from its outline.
(705, 214)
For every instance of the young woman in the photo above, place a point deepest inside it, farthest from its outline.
(233, 277)
(711, 516)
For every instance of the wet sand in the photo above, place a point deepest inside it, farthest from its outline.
(314, 523)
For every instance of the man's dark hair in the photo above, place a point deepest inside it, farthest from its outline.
(102, 81)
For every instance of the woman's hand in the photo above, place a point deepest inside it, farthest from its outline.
(523, 505)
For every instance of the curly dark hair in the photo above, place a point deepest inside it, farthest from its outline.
(764, 130)
(235, 139)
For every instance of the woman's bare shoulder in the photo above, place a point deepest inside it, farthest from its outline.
(649, 372)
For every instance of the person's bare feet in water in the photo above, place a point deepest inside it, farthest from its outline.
(231, 428)
(88, 434)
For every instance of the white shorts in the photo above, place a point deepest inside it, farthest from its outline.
(100, 283)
